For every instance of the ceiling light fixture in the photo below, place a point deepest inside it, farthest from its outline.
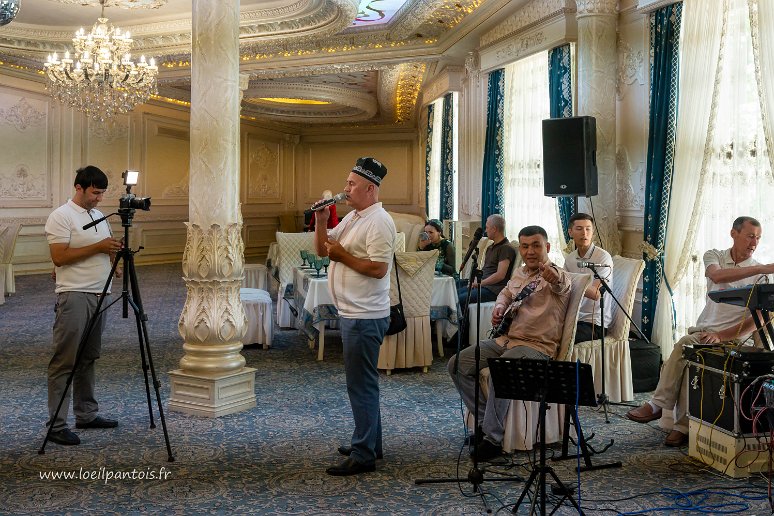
(8, 11)
(100, 78)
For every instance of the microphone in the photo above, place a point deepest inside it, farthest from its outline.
(326, 202)
(588, 265)
(473, 243)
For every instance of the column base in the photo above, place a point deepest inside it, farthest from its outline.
(212, 396)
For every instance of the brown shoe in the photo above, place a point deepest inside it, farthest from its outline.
(675, 439)
(643, 414)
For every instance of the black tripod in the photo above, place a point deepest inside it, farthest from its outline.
(545, 381)
(476, 474)
(125, 255)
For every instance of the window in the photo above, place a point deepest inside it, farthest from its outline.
(526, 105)
(739, 177)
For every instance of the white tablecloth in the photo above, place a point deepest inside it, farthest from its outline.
(257, 305)
(256, 275)
(315, 305)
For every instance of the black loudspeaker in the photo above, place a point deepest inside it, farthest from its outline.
(570, 156)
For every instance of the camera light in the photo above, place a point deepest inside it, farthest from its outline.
(131, 177)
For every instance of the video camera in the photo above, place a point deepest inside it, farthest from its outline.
(130, 201)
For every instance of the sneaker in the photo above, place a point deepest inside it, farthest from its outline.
(64, 437)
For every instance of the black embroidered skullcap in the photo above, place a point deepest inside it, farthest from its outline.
(371, 169)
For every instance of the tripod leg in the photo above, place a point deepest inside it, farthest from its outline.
(566, 492)
(524, 491)
(136, 303)
(139, 318)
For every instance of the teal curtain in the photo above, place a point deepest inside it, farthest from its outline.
(428, 153)
(492, 197)
(560, 100)
(447, 159)
(665, 40)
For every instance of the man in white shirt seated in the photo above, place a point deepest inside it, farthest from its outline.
(581, 230)
(717, 323)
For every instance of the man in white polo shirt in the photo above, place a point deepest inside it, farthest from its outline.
(361, 250)
(718, 322)
(83, 260)
(590, 322)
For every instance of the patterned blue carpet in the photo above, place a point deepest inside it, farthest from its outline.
(272, 459)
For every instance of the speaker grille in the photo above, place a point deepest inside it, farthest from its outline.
(569, 156)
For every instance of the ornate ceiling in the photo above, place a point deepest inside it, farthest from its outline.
(361, 61)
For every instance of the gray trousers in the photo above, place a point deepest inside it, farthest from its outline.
(73, 311)
(492, 411)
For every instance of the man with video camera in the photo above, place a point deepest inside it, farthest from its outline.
(83, 260)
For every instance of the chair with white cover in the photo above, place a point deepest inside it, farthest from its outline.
(289, 246)
(413, 347)
(522, 419)
(8, 234)
(618, 366)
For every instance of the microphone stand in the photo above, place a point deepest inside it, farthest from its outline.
(602, 398)
(476, 474)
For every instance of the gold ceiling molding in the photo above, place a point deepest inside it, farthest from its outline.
(346, 105)
(122, 4)
(407, 90)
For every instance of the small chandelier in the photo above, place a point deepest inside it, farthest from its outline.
(100, 79)
(8, 11)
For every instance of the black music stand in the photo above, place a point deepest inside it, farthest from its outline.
(545, 381)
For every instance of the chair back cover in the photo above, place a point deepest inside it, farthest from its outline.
(626, 275)
(580, 282)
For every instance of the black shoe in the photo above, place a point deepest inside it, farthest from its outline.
(471, 438)
(347, 450)
(488, 451)
(98, 422)
(65, 437)
(350, 467)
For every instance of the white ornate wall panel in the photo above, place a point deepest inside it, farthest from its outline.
(108, 146)
(165, 162)
(263, 182)
(25, 149)
(633, 85)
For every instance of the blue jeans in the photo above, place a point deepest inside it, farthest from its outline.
(361, 340)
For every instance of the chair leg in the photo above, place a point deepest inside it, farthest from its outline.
(439, 337)
(388, 372)
(321, 344)
(425, 369)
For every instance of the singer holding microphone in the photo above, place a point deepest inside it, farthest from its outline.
(83, 259)
(587, 255)
(361, 250)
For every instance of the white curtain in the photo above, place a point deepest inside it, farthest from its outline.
(762, 20)
(434, 181)
(730, 172)
(526, 105)
(699, 51)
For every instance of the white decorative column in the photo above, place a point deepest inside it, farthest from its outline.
(212, 379)
(597, 72)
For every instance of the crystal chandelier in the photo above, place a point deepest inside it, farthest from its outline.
(100, 77)
(8, 11)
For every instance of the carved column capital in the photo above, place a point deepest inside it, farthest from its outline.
(595, 7)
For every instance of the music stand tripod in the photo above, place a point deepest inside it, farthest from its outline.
(126, 256)
(544, 381)
(475, 475)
